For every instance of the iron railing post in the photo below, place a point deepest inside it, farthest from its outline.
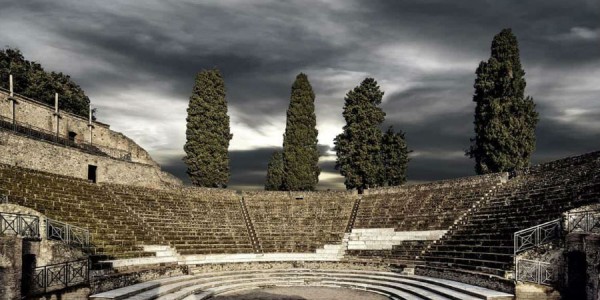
(68, 233)
(516, 269)
(18, 221)
(67, 274)
(587, 223)
(45, 279)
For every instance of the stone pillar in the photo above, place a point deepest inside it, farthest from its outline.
(592, 252)
(56, 116)
(576, 277)
(11, 248)
(12, 99)
(90, 126)
(10, 85)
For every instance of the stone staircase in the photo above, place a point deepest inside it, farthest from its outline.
(392, 285)
(160, 254)
(251, 231)
(352, 218)
(337, 251)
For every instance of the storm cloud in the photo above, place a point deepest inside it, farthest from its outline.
(137, 63)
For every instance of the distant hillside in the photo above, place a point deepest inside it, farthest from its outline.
(31, 80)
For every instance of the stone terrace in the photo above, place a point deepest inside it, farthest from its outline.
(299, 221)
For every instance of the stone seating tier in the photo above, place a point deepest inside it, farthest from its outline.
(122, 218)
(286, 222)
(482, 243)
(422, 207)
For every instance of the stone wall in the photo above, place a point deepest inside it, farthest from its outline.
(39, 155)
(211, 193)
(13, 249)
(113, 281)
(529, 291)
(10, 267)
(308, 195)
(454, 183)
(71, 293)
(41, 115)
(47, 252)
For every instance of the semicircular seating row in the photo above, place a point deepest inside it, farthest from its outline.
(392, 285)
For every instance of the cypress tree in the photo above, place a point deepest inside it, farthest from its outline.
(300, 152)
(505, 119)
(358, 147)
(208, 132)
(395, 157)
(275, 172)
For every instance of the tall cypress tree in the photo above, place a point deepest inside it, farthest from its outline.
(274, 180)
(300, 152)
(208, 132)
(505, 119)
(395, 157)
(358, 147)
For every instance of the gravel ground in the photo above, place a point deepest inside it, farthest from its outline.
(301, 293)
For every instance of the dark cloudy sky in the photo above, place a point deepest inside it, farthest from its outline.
(137, 62)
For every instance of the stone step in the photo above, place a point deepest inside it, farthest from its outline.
(402, 286)
(154, 248)
(141, 261)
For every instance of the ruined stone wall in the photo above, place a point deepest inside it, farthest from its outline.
(41, 115)
(39, 155)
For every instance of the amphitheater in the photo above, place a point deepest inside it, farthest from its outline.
(86, 213)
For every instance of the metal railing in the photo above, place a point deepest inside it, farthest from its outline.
(67, 233)
(59, 276)
(26, 226)
(538, 272)
(46, 135)
(537, 235)
(583, 221)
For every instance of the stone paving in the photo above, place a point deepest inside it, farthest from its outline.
(302, 293)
